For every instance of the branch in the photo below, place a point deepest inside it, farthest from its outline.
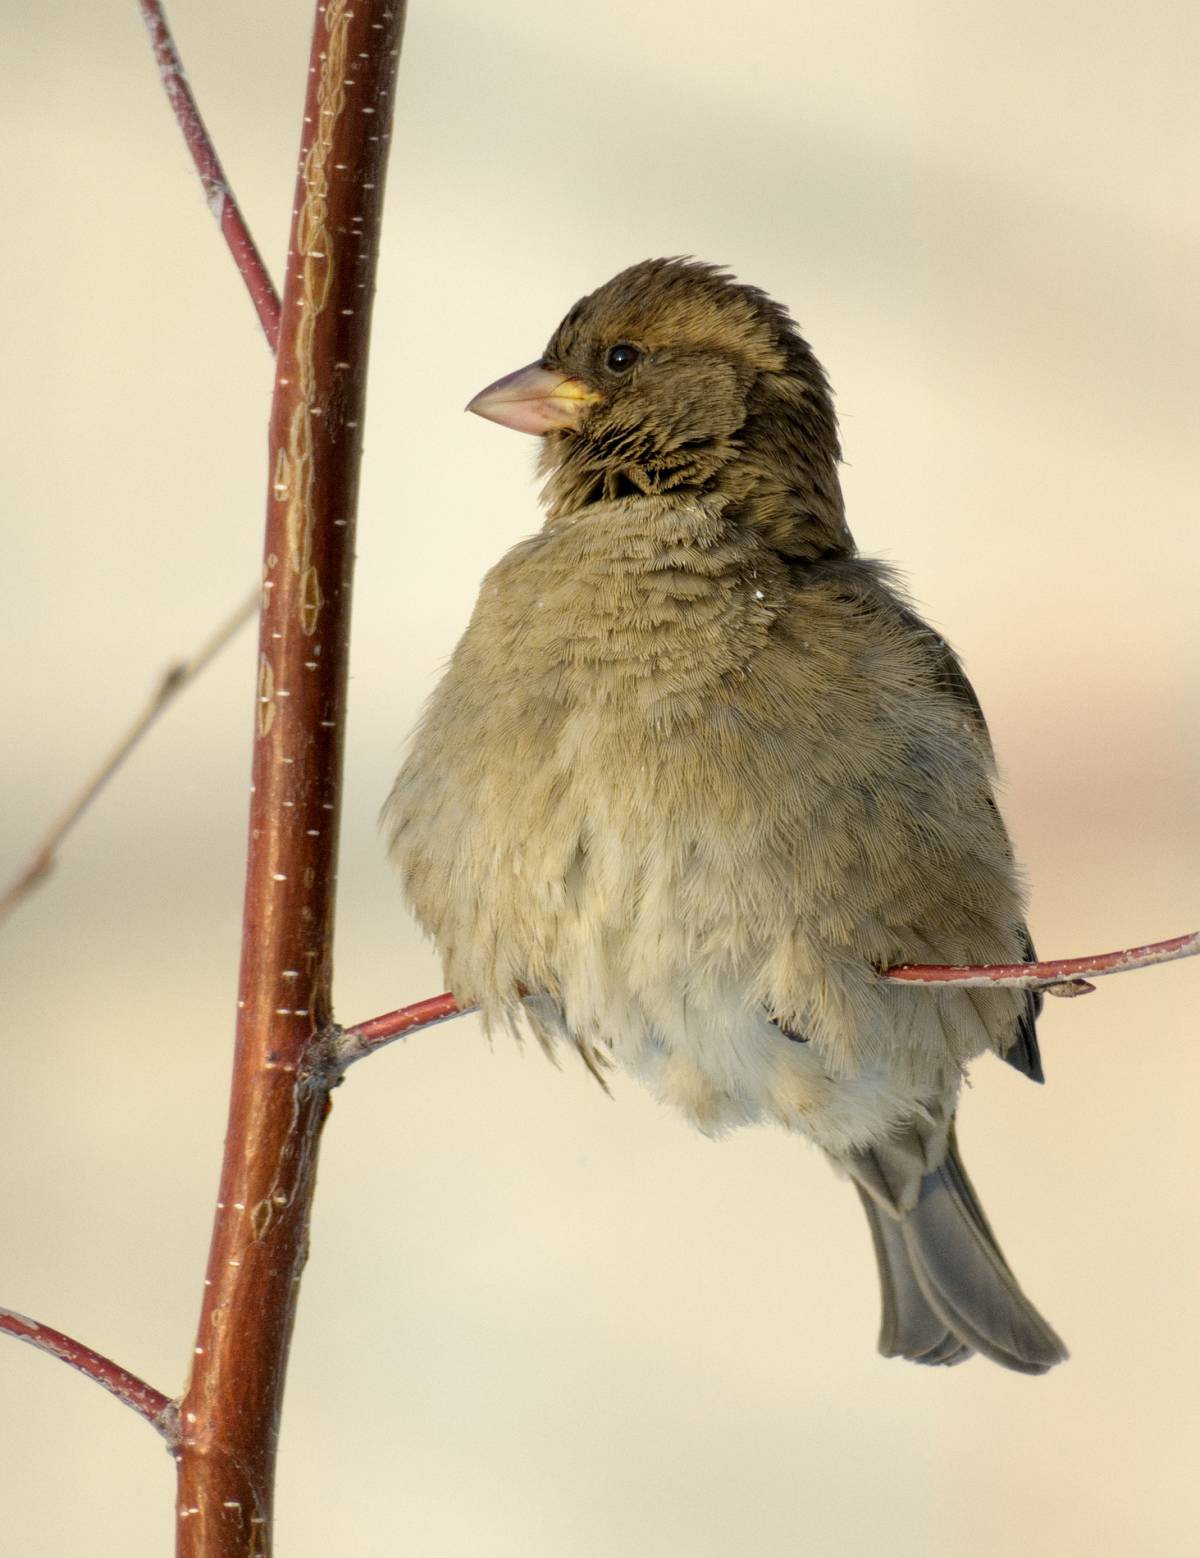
(278, 1102)
(223, 204)
(1049, 974)
(1058, 976)
(171, 685)
(217, 192)
(157, 1409)
(350, 1044)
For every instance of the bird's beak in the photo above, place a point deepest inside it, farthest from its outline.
(534, 400)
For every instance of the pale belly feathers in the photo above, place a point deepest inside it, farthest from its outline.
(662, 958)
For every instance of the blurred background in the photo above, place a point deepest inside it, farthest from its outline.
(537, 1321)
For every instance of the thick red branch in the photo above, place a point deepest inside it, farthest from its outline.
(217, 192)
(229, 1415)
(157, 1409)
(364, 1038)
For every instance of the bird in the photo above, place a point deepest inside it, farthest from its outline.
(698, 771)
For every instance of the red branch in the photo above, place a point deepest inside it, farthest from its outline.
(157, 1409)
(217, 192)
(1059, 975)
(364, 1038)
(1048, 973)
(279, 1094)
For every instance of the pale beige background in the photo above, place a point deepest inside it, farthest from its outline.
(537, 1322)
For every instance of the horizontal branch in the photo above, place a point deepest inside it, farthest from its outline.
(1058, 976)
(170, 685)
(1050, 973)
(157, 1409)
(351, 1044)
(220, 197)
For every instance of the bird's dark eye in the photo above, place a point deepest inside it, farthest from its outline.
(619, 359)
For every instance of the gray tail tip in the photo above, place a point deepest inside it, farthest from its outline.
(947, 1290)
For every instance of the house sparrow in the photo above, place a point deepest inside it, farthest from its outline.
(697, 772)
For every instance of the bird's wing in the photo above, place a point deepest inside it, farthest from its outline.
(1024, 1053)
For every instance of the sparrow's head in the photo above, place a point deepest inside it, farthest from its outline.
(674, 378)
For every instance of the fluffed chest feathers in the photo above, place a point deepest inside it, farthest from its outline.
(654, 934)
(639, 786)
(581, 755)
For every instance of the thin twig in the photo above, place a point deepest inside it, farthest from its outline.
(351, 1044)
(1064, 976)
(171, 685)
(217, 192)
(223, 204)
(1049, 973)
(157, 1409)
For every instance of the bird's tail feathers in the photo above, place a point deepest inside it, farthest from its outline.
(947, 1289)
